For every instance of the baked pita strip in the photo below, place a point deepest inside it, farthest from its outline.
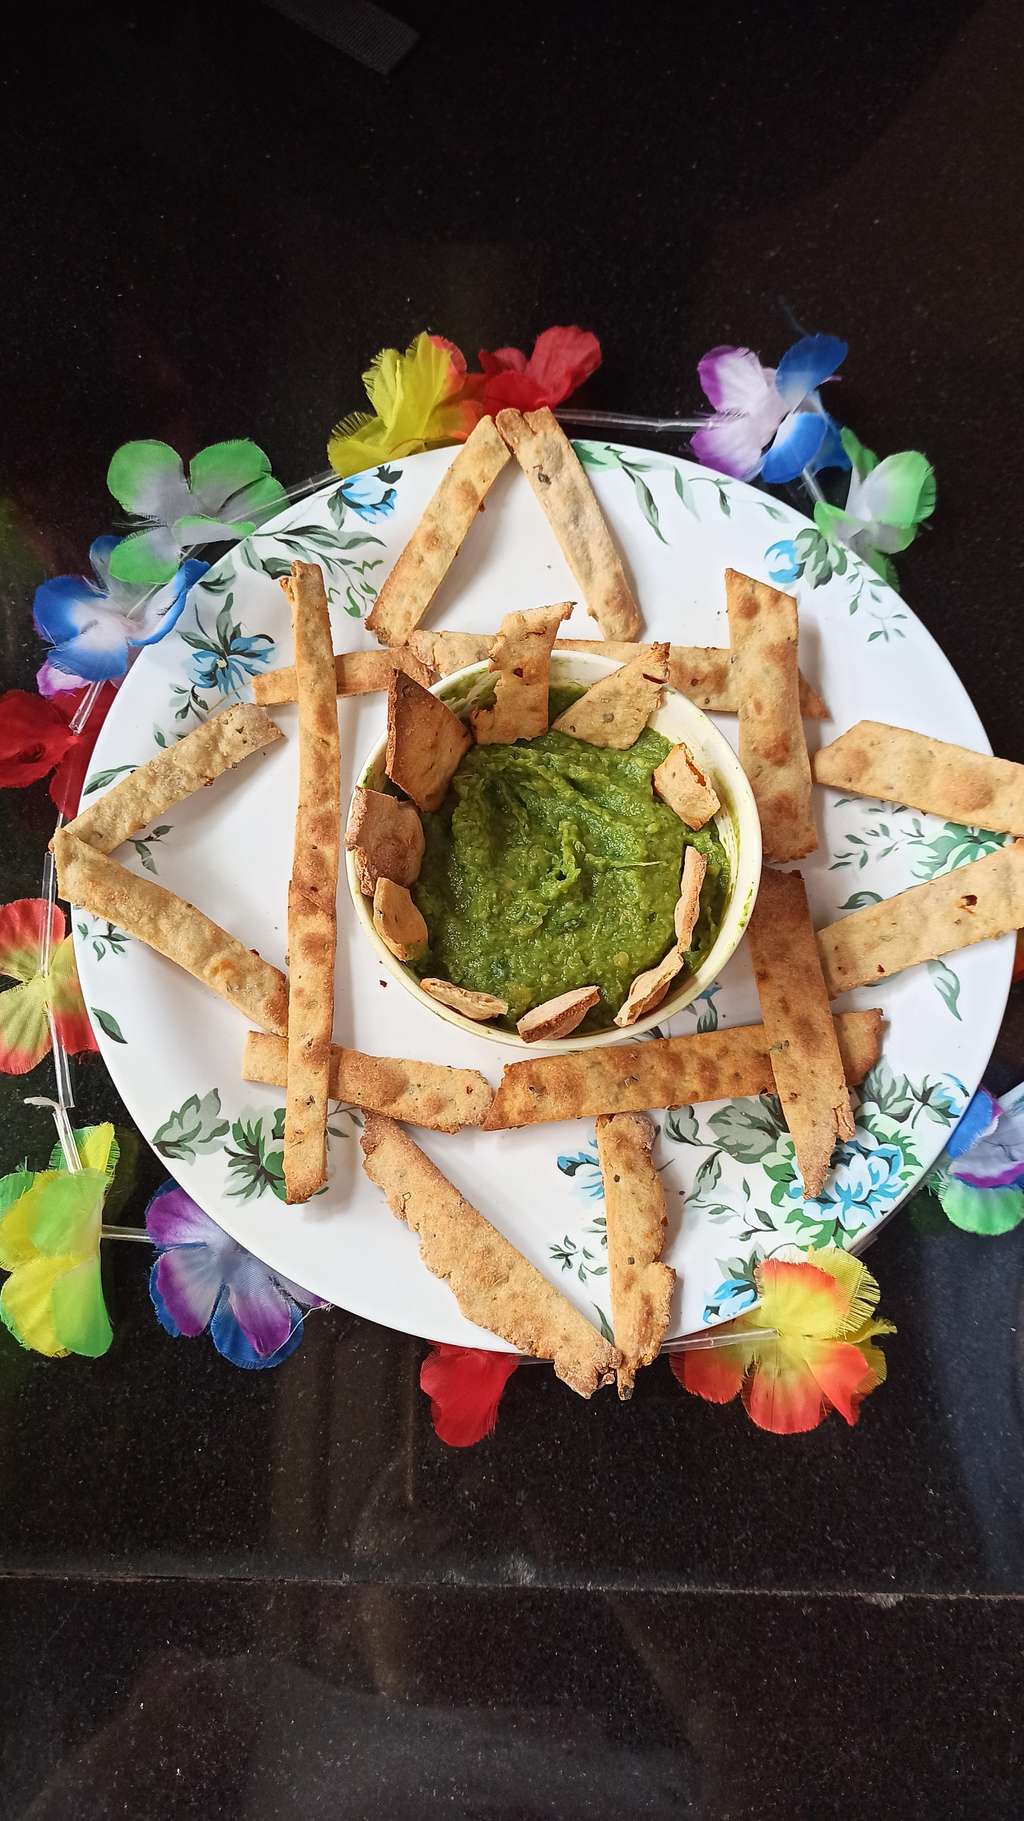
(636, 1221)
(556, 475)
(898, 766)
(386, 837)
(808, 1069)
(773, 751)
(493, 1284)
(417, 575)
(356, 673)
(425, 742)
(969, 905)
(665, 1072)
(680, 783)
(521, 655)
(312, 889)
(174, 774)
(423, 1093)
(174, 929)
(701, 672)
(615, 710)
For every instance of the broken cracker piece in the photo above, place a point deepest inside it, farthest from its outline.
(397, 921)
(478, 1006)
(614, 711)
(636, 1222)
(493, 1284)
(558, 1017)
(425, 742)
(649, 988)
(521, 655)
(680, 783)
(386, 837)
(687, 908)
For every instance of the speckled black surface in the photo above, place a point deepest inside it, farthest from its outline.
(277, 1595)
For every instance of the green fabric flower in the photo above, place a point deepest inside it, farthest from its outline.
(886, 503)
(229, 490)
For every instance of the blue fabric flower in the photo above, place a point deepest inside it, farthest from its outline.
(93, 624)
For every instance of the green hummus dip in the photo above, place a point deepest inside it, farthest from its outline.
(552, 865)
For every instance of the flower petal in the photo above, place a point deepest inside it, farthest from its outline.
(996, 1159)
(976, 1210)
(21, 929)
(859, 457)
(185, 1283)
(714, 1373)
(147, 557)
(562, 358)
(264, 1312)
(164, 607)
(732, 445)
(69, 1014)
(24, 1030)
(172, 1218)
(842, 1375)
(733, 379)
(978, 1120)
(465, 1386)
(193, 529)
(53, 682)
(781, 1394)
(65, 606)
(63, 1210)
(16, 1243)
(217, 473)
(26, 1305)
(831, 452)
(806, 365)
(69, 776)
(900, 491)
(80, 1319)
(147, 478)
(232, 1342)
(800, 1299)
(99, 652)
(258, 500)
(34, 736)
(502, 360)
(794, 447)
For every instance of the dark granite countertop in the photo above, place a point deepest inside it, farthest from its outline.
(276, 1595)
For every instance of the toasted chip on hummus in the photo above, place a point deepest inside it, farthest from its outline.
(478, 1006)
(649, 988)
(521, 655)
(615, 711)
(558, 1017)
(679, 781)
(397, 921)
(425, 742)
(386, 837)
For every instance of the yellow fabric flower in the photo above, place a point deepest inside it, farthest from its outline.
(416, 405)
(821, 1357)
(50, 1220)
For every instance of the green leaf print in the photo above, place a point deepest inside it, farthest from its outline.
(196, 1126)
(947, 985)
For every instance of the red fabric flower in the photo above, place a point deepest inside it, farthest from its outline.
(465, 1386)
(562, 359)
(36, 738)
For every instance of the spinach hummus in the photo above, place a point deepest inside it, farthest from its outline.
(552, 865)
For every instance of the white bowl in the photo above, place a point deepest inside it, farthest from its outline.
(738, 828)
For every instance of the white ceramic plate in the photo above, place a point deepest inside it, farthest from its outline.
(173, 1049)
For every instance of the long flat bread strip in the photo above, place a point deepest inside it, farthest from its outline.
(493, 1284)
(174, 929)
(636, 1222)
(969, 905)
(557, 477)
(174, 774)
(422, 1093)
(312, 889)
(808, 1069)
(667, 1072)
(356, 673)
(773, 751)
(701, 672)
(417, 575)
(898, 766)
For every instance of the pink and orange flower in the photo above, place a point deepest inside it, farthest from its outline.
(25, 1008)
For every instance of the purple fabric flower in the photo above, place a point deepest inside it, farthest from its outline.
(987, 1149)
(203, 1278)
(770, 421)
